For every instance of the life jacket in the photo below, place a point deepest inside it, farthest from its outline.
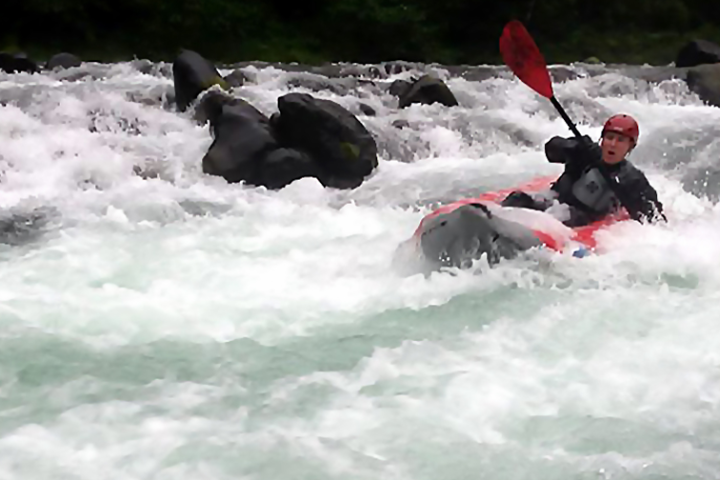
(593, 192)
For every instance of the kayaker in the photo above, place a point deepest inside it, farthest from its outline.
(597, 180)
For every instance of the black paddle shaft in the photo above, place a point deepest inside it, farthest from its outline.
(564, 116)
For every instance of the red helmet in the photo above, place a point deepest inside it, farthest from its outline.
(624, 125)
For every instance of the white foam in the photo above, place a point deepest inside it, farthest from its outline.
(308, 355)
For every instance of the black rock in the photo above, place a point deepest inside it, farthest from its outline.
(399, 87)
(192, 74)
(243, 138)
(705, 81)
(334, 137)
(63, 60)
(697, 52)
(18, 62)
(237, 78)
(367, 110)
(428, 90)
(285, 165)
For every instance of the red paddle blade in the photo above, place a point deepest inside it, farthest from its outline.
(520, 53)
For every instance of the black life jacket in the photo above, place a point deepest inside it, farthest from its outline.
(592, 191)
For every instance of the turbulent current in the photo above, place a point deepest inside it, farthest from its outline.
(158, 323)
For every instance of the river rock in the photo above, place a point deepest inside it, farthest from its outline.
(245, 148)
(19, 62)
(697, 52)
(705, 81)
(63, 61)
(428, 90)
(192, 74)
(327, 132)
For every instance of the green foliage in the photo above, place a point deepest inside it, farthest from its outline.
(313, 31)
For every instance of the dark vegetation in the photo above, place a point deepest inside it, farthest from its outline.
(316, 31)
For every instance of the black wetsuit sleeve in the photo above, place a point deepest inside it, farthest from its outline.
(560, 150)
(638, 197)
(573, 151)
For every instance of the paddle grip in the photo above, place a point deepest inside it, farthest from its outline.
(564, 116)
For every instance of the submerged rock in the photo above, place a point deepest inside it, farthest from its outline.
(21, 227)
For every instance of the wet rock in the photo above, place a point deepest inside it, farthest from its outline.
(697, 52)
(160, 95)
(319, 83)
(245, 148)
(705, 81)
(399, 66)
(192, 74)
(327, 132)
(143, 66)
(400, 87)
(19, 62)
(327, 70)
(479, 74)
(237, 78)
(63, 61)
(562, 74)
(242, 139)
(654, 74)
(367, 110)
(283, 166)
(19, 227)
(428, 90)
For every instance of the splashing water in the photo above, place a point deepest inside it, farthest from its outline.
(159, 323)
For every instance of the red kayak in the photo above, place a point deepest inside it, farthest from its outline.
(456, 234)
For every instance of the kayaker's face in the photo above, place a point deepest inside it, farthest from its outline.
(614, 147)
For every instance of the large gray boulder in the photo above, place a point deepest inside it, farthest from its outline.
(697, 52)
(331, 135)
(193, 74)
(705, 81)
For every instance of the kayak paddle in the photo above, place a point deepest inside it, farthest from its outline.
(523, 57)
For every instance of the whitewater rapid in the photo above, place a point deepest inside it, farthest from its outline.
(159, 323)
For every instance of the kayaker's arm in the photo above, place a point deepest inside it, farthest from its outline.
(637, 196)
(577, 151)
(558, 149)
(571, 153)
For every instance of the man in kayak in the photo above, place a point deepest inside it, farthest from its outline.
(597, 179)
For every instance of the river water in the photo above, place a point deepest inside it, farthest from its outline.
(157, 323)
